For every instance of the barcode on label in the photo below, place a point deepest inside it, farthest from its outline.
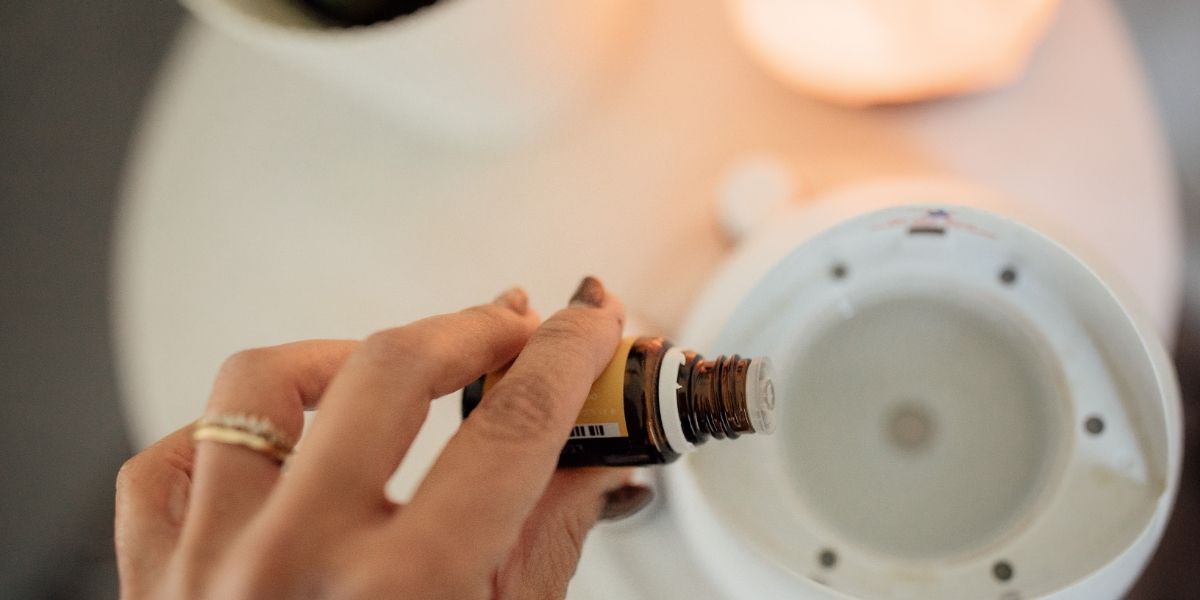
(595, 430)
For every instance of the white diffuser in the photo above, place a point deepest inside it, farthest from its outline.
(967, 409)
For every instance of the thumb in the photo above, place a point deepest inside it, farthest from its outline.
(545, 557)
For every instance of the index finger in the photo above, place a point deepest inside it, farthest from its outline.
(498, 464)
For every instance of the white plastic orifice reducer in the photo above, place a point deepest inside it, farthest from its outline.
(966, 409)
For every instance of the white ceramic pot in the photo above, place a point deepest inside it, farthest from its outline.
(474, 72)
(967, 409)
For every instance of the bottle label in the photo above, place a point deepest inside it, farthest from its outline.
(603, 413)
(596, 430)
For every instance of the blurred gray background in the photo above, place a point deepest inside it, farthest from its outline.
(73, 75)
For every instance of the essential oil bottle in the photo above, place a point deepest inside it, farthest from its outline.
(655, 402)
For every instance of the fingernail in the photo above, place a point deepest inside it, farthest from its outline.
(515, 299)
(590, 292)
(625, 501)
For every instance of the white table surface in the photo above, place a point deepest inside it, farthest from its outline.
(262, 207)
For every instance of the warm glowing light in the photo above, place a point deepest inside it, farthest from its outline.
(864, 52)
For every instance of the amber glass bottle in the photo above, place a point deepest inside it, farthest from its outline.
(655, 402)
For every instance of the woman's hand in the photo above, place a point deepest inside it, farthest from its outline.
(492, 518)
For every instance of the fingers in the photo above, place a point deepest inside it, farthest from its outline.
(496, 467)
(374, 408)
(230, 482)
(151, 501)
(551, 540)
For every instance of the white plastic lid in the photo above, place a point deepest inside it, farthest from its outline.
(760, 395)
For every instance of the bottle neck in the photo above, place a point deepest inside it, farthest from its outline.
(712, 397)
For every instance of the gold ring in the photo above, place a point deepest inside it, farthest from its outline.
(255, 433)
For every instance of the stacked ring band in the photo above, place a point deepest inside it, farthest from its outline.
(255, 433)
